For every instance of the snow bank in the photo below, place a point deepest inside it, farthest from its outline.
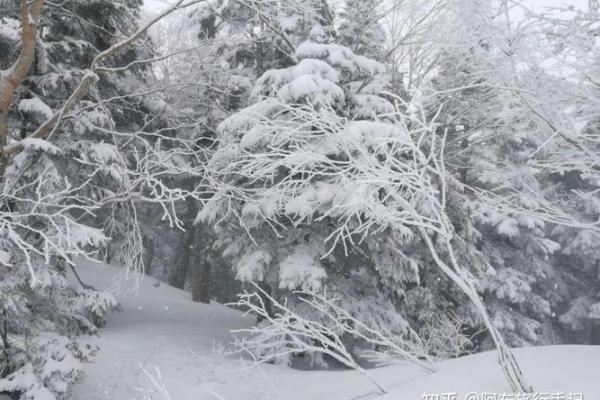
(550, 369)
(160, 327)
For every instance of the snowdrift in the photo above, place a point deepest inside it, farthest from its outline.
(162, 346)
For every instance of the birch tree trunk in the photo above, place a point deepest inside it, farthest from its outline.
(464, 280)
(18, 71)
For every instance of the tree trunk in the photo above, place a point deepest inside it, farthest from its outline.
(201, 286)
(507, 361)
(148, 255)
(19, 71)
(201, 262)
(266, 299)
(595, 332)
(178, 274)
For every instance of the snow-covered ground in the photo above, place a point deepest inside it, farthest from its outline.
(161, 329)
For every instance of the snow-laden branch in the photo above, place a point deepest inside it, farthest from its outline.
(49, 217)
(285, 332)
(90, 78)
(305, 163)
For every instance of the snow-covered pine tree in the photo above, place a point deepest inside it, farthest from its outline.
(360, 28)
(278, 149)
(505, 147)
(320, 166)
(483, 152)
(202, 86)
(66, 191)
(227, 44)
(565, 108)
(284, 255)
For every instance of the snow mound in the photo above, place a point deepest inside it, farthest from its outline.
(567, 369)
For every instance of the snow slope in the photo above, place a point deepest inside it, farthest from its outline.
(159, 327)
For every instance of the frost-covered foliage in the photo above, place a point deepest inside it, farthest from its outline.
(439, 178)
(516, 247)
(218, 50)
(299, 171)
(319, 325)
(361, 27)
(329, 174)
(49, 331)
(570, 160)
(513, 129)
(69, 188)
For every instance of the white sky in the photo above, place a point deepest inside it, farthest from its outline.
(155, 5)
(538, 4)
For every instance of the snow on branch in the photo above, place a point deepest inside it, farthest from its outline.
(364, 177)
(285, 332)
(90, 78)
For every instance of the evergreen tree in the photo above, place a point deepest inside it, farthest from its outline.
(360, 28)
(232, 43)
(277, 150)
(64, 194)
(569, 158)
(501, 150)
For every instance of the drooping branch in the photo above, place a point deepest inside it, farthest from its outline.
(288, 333)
